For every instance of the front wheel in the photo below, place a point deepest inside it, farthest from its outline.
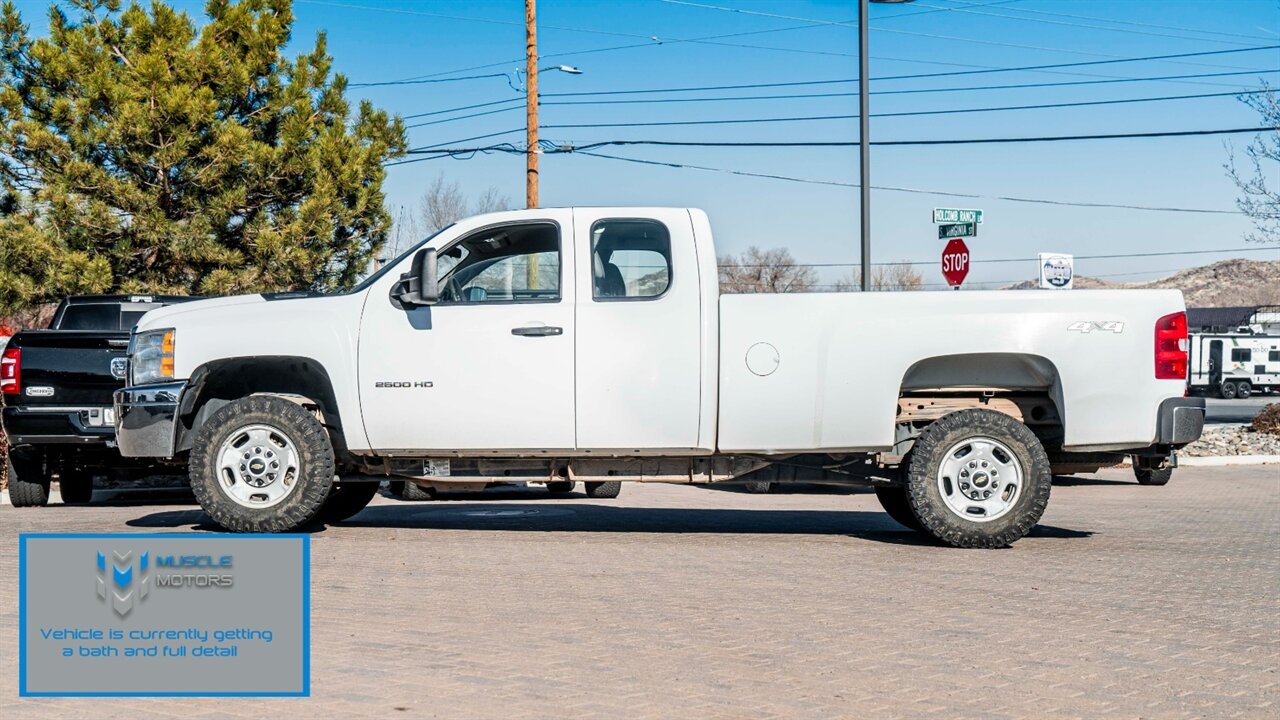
(759, 487)
(1227, 390)
(608, 489)
(262, 464)
(978, 479)
(346, 500)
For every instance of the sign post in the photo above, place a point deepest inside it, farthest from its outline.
(955, 262)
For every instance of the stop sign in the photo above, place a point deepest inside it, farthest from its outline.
(955, 262)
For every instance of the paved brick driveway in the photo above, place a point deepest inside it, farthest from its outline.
(708, 603)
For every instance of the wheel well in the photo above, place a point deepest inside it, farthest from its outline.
(1026, 387)
(217, 383)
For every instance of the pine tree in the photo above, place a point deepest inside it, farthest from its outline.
(141, 153)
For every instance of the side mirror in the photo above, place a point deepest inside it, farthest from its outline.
(418, 286)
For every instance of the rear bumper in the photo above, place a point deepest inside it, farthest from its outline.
(146, 419)
(1179, 421)
(36, 425)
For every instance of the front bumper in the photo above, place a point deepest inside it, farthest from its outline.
(147, 418)
(1179, 421)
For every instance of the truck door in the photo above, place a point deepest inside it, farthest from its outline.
(1215, 363)
(639, 353)
(488, 367)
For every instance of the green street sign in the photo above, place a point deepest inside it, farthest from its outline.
(955, 230)
(956, 215)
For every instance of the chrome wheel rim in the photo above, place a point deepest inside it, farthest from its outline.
(980, 479)
(258, 466)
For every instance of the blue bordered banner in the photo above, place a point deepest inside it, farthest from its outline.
(164, 615)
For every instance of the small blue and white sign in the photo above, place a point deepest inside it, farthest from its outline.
(1057, 271)
(170, 614)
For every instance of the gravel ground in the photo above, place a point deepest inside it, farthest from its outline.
(1220, 440)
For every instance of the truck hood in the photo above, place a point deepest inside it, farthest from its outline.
(163, 317)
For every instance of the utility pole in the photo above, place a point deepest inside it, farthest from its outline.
(531, 125)
(864, 144)
(531, 102)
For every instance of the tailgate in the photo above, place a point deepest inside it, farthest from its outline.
(68, 368)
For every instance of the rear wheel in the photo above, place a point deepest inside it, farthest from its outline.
(28, 485)
(893, 498)
(262, 464)
(1151, 476)
(978, 479)
(75, 487)
(1243, 389)
(346, 500)
(1227, 390)
(608, 489)
(758, 486)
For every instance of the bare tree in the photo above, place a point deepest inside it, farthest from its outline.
(764, 271)
(1260, 202)
(895, 277)
(445, 203)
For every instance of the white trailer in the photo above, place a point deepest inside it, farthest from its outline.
(1234, 365)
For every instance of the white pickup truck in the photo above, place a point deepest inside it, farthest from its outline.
(592, 345)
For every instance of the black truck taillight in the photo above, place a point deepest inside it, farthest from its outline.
(11, 372)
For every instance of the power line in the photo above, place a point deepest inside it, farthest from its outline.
(426, 82)
(465, 107)
(915, 191)
(935, 36)
(1118, 22)
(988, 13)
(737, 121)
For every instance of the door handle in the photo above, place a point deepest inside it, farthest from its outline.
(538, 331)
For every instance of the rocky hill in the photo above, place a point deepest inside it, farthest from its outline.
(1224, 283)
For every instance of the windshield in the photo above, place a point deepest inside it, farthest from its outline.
(392, 263)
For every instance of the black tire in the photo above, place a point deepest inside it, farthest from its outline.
(396, 488)
(416, 493)
(347, 499)
(1148, 476)
(893, 498)
(608, 489)
(1227, 390)
(561, 487)
(75, 487)
(28, 485)
(758, 487)
(312, 483)
(925, 495)
(1244, 390)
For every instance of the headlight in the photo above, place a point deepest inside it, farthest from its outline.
(151, 357)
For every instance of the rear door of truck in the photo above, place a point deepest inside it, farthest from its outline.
(640, 352)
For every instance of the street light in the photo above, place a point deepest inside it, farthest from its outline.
(864, 141)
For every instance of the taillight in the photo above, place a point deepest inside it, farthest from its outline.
(1171, 347)
(11, 372)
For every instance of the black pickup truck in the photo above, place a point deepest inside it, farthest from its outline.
(57, 385)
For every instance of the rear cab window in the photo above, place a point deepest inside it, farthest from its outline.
(630, 259)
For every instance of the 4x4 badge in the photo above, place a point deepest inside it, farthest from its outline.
(119, 366)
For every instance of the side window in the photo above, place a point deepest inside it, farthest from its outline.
(1240, 354)
(630, 259)
(1273, 356)
(514, 263)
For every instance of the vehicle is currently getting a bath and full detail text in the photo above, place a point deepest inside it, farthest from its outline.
(592, 345)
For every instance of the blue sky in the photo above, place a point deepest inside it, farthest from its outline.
(820, 223)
